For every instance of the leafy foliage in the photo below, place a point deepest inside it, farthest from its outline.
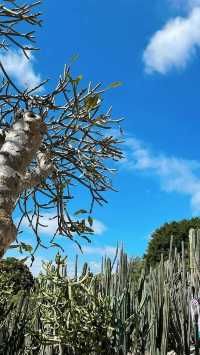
(16, 274)
(160, 239)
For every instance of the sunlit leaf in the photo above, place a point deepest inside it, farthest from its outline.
(115, 84)
(90, 221)
(26, 247)
(80, 212)
(92, 101)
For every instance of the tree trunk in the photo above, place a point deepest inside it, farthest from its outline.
(21, 143)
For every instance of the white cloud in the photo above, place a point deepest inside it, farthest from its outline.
(174, 45)
(99, 227)
(49, 225)
(20, 68)
(36, 268)
(174, 174)
(102, 251)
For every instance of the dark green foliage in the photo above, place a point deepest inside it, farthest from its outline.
(16, 282)
(160, 239)
(16, 274)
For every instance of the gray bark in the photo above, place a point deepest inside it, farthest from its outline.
(18, 148)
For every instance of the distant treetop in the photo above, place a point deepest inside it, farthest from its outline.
(160, 238)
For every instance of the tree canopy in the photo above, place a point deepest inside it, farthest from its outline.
(160, 238)
(49, 142)
(16, 274)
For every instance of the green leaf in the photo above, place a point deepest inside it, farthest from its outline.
(90, 221)
(26, 247)
(64, 185)
(76, 81)
(114, 85)
(14, 246)
(79, 78)
(100, 119)
(80, 212)
(24, 259)
(91, 101)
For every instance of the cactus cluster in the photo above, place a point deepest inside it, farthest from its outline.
(111, 312)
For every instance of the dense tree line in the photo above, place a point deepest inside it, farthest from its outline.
(160, 239)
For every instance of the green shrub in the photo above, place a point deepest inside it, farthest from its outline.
(16, 274)
(160, 239)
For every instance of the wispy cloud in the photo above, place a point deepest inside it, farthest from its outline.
(99, 227)
(49, 225)
(184, 4)
(106, 250)
(193, 3)
(36, 268)
(20, 68)
(174, 174)
(173, 45)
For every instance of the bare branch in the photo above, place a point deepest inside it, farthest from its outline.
(50, 143)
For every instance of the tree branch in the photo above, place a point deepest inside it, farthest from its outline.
(44, 168)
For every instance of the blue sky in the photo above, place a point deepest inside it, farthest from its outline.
(153, 48)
